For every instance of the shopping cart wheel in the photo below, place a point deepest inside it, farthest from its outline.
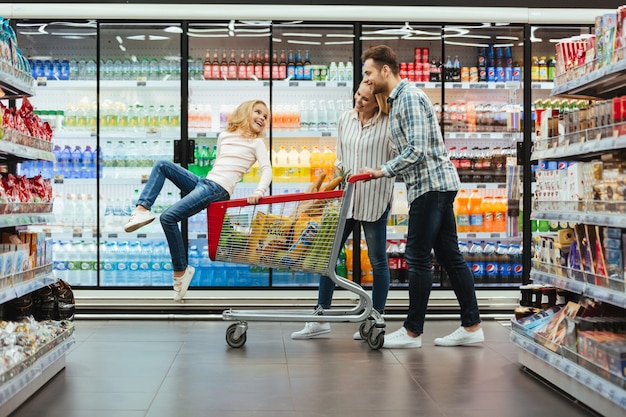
(376, 339)
(364, 330)
(234, 339)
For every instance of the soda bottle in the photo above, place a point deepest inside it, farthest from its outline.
(491, 263)
(465, 252)
(462, 212)
(515, 256)
(328, 162)
(341, 268)
(404, 268)
(477, 262)
(316, 163)
(499, 214)
(475, 212)
(349, 261)
(488, 215)
(241, 68)
(393, 261)
(504, 263)
(367, 277)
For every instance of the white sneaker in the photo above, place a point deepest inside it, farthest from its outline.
(461, 337)
(311, 330)
(181, 284)
(357, 336)
(138, 219)
(400, 339)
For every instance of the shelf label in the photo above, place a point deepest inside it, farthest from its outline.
(142, 81)
(202, 236)
(472, 135)
(266, 83)
(320, 84)
(342, 84)
(457, 85)
(535, 86)
(481, 185)
(42, 81)
(485, 136)
(112, 236)
(293, 83)
(326, 134)
(478, 85)
(420, 85)
(141, 236)
(201, 135)
(500, 86)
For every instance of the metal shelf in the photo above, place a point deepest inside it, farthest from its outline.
(607, 82)
(24, 285)
(588, 148)
(595, 218)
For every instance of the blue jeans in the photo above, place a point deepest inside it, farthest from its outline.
(198, 193)
(432, 226)
(376, 238)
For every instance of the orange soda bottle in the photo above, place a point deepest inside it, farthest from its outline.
(461, 211)
(475, 212)
(328, 162)
(349, 258)
(499, 210)
(367, 277)
(488, 215)
(316, 163)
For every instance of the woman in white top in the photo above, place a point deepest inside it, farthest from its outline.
(238, 148)
(363, 140)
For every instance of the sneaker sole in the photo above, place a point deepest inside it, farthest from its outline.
(136, 226)
(310, 335)
(458, 344)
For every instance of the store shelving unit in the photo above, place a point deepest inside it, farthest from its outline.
(570, 372)
(20, 382)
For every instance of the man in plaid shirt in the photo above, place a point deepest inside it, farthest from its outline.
(432, 183)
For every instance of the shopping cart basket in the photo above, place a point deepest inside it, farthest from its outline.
(298, 232)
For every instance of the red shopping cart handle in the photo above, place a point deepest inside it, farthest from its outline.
(360, 177)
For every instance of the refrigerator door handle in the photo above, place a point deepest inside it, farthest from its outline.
(178, 154)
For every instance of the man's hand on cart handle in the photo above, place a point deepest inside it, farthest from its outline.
(254, 198)
(373, 172)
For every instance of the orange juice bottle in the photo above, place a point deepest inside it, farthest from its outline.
(461, 211)
(328, 162)
(488, 215)
(499, 210)
(367, 277)
(475, 212)
(316, 163)
(349, 259)
(305, 164)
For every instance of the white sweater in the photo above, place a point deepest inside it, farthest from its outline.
(235, 156)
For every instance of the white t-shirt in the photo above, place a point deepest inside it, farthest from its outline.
(235, 156)
(366, 146)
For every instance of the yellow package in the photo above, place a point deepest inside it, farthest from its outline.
(269, 233)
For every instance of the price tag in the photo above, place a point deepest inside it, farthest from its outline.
(478, 85)
(472, 135)
(201, 135)
(485, 136)
(142, 81)
(142, 236)
(535, 86)
(202, 236)
(457, 85)
(320, 84)
(481, 185)
(112, 236)
(326, 134)
(42, 81)
(437, 85)
(342, 84)
(420, 85)
(293, 83)
(500, 86)
(267, 83)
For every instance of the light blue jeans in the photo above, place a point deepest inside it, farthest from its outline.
(376, 238)
(198, 193)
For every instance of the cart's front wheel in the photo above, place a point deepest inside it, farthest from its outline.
(232, 340)
(376, 340)
(364, 330)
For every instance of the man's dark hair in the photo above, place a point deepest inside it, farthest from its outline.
(382, 55)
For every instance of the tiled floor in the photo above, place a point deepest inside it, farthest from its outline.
(121, 368)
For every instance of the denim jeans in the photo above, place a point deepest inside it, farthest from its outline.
(432, 225)
(376, 238)
(198, 193)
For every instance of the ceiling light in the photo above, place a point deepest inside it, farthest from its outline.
(81, 34)
(119, 39)
(339, 43)
(301, 34)
(173, 29)
(303, 42)
(196, 30)
(42, 29)
(158, 38)
(231, 26)
(509, 38)
(252, 35)
(136, 37)
(122, 47)
(208, 35)
(339, 35)
(378, 38)
(276, 40)
(478, 45)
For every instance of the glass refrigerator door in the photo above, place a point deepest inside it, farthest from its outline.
(62, 55)
(139, 120)
(313, 87)
(418, 48)
(482, 124)
(229, 63)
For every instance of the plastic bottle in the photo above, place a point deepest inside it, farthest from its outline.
(349, 261)
(293, 163)
(349, 70)
(462, 212)
(491, 262)
(299, 67)
(475, 212)
(316, 163)
(328, 162)
(134, 260)
(543, 69)
(142, 275)
(281, 164)
(499, 213)
(194, 257)
(305, 116)
(515, 256)
(504, 263)
(205, 272)
(478, 262)
(322, 115)
(488, 214)
(332, 72)
(109, 263)
(367, 277)
(154, 73)
(341, 269)
(534, 69)
(304, 165)
(65, 162)
(59, 260)
(156, 262)
(393, 260)
(465, 253)
(73, 263)
(88, 265)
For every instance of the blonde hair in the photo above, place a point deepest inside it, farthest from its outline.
(383, 106)
(240, 118)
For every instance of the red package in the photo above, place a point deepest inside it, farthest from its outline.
(41, 189)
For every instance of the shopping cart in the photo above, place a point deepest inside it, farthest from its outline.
(298, 232)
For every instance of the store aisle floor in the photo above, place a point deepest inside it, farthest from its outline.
(185, 369)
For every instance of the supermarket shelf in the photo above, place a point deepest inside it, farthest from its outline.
(590, 147)
(484, 185)
(482, 235)
(121, 134)
(607, 82)
(472, 86)
(27, 282)
(18, 389)
(24, 219)
(596, 218)
(580, 284)
(600, 394)
(276, 134)
(12, 87)
(15, 150)
(484, 135)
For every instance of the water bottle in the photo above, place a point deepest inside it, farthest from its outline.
(65, 70)
(305, 115)
(143, 275)
(59, 260)
(156, 265)
(515, 255)
(91, 69)
(122, 263)
(127, 70)
(504, 263)
(206, 270)
(322, 116)
(107, 69)
(117, 70)
(134, 260)
(88, 168)
(194, 260)
(153, 69)
(89, 266)
(313, 115)
(76, 162)
(164, 69)
(57, 158)
(100, 167)
(491, 262)
(73, 263)
(109, 263)
(65, 158)
(332, 115)
(478, 262)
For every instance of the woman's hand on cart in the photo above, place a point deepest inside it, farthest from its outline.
(366, 174)
(254, 197)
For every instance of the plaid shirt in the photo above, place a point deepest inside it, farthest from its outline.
(422, 157)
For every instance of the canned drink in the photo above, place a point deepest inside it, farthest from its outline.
(404, 70)
(418, 54)
(491, 74)
(552, 165)
(424, 55)
(499, 74)
(419, 70)
(517, 74)
(508, 74)
(411, 71)
(482, 74)
(465, 74)
(543, 164)
(473, 75)
(561, 165)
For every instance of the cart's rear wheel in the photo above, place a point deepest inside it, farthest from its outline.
(364, 330)
(232, 340)
(376, 340)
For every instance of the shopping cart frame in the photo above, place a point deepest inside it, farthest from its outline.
(372, 328)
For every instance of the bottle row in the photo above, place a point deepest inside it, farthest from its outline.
(475, 213)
